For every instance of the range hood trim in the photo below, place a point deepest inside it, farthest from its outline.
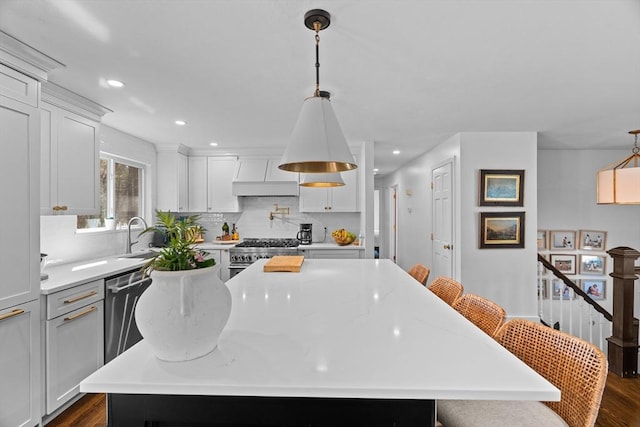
(265, 188)
(253, 180)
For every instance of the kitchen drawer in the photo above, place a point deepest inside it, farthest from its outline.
(71, 299)
(17, 86)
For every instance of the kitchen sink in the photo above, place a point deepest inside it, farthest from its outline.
(140, 255)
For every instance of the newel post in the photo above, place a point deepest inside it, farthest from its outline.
(623, 344)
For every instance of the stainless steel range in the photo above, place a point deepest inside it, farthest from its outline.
(249, 251)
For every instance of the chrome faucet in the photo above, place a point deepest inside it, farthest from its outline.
(131, 221)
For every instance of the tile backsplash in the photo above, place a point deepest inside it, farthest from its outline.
(254, 220)
(60, 240)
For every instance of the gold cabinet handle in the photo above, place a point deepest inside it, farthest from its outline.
(82, 313)
(81, 297)
(448, 246)
(59, 208)
(16, 312)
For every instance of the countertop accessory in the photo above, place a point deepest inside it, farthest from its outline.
(317, 143)
(343, 237)
(43, 263)
(284, 263)
(278, 211)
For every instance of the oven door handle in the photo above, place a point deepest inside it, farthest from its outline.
(116, 289)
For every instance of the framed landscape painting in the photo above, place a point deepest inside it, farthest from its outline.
(501, 187)
(501, 230)
(593, 240)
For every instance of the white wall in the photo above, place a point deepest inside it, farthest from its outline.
(58, 236)
(567, 200)
(506, 276)
(415, 211)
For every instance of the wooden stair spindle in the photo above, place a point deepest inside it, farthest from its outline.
(623, 344)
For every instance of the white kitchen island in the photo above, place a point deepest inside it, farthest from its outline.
(343, 342)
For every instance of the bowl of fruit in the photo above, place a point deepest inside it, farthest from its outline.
(343, 237)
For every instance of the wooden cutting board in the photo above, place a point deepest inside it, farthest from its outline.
(286, 263)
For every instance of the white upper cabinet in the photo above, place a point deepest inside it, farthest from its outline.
(69, 152)
(197, 184)
(19, 164)
(335, 199)
(173, 180)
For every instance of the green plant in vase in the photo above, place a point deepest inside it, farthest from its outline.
(181, 252)
(183, 311)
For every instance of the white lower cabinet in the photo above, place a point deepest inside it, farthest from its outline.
(20, 365)
(332, 253)
(222, 261)
(74, 342)
(224, 265)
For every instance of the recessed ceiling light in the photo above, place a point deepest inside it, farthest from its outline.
(396, 152)
(115, 83)
(213, 144)
(376, 169)
(180, 122)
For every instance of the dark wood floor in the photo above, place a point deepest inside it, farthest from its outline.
(620, 407)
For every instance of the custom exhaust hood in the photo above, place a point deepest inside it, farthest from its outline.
(261, 177)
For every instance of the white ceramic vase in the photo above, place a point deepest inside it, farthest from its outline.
(182, 313)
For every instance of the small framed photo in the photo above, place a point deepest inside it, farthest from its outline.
(566, 264)
(543, 286)
(563, 240)
(501, 230)
(561, 291)
(593, 240)
(594, 288)
(542, 240)
(592, 264)
(500, 187)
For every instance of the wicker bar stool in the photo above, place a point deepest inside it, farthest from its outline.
(446, 288)
(420, 273)
(485, 314)
(576, 367)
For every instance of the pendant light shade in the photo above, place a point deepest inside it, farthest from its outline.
(619, 182)
(317, 144)
(322, 180)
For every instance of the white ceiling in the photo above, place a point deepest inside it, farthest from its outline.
(403, 74)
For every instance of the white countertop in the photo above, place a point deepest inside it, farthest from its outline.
(63, 276)
(339, 328)
(330, 245)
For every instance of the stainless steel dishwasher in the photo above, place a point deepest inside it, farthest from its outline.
(121, 296)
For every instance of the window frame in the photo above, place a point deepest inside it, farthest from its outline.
(112, 159)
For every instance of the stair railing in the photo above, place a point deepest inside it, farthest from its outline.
(576, 313)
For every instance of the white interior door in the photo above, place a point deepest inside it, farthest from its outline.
(442, 240)
(393, 223)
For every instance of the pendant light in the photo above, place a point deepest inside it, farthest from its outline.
(317, 144)
(322, 180)
(619, 182)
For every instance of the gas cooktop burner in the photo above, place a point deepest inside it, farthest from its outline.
(268, 243)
